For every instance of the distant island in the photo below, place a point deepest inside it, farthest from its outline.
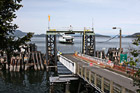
(133, 35)
(39, 35)
(98, 35)
(19, 33)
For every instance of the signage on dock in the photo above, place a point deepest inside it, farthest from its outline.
(91, 64)
(123, 57)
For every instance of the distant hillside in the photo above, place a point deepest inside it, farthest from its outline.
(19, 33)
(98, 35)
(40, 35)
(133, 35)
(76, 35)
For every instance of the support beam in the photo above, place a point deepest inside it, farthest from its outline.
(102, 84)
(111, 86)
(67, 88)
(123, 90)
(82, 71)
(85, 72)
(95, 79)
(51, 90)
(78, 69)
(90, 76)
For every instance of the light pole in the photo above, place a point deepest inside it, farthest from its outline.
(120, 38)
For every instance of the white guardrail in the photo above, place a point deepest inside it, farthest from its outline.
(68, 63)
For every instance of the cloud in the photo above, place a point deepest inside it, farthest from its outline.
(106, 13)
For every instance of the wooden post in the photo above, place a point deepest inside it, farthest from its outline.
(85, 72)
(102, 84)
(18, 64)
(123, 90)
(55, 68)
(47, 68)
(82, 71)
(38, 66)
(51, 88)
(15, 64)
(42, 67)
(77, 69)
(11, 64)
(34, 61)
(111, 86)
(22, 57)
(67, 88)
(90, 76)
(95, 79)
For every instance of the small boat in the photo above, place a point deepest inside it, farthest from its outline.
(64, 38)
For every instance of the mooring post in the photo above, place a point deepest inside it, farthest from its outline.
(67, 88)
(51, 88)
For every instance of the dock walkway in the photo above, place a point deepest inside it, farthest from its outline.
(100, 78)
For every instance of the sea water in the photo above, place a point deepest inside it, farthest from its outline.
(38, 81)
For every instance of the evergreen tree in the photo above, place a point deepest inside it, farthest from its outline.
(134, 60)
(8, 42)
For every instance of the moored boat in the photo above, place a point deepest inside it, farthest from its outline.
(66, 39)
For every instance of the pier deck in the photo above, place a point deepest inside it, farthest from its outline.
(101, 78)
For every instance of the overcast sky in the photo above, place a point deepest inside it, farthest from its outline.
(33, 17)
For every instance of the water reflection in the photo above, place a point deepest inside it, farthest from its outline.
(32, 81)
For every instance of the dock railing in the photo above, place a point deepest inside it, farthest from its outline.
(68, 63)
(98, 61)
(108, 64)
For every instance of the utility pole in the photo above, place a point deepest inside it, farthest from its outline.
(94, 38)
(120, 40)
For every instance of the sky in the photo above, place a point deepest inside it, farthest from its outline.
(104, 14)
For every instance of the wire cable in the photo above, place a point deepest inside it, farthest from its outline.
(109, 39)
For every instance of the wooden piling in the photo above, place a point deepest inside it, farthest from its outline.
(18, 64)
(35, 67)
(22, 63)
(11, 64)
(42, 67)
(38, 66)
(15, 62)
(27, 62)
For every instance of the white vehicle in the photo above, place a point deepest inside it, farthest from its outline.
(64, 38)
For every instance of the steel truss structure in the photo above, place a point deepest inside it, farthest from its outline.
(88, 45)
(51, 50)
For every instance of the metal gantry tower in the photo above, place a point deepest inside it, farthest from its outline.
(88, 45)
(51, 51)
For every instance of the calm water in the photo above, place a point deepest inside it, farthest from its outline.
(77, 46)
(37, 81)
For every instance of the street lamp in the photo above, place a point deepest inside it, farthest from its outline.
(120, 38)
